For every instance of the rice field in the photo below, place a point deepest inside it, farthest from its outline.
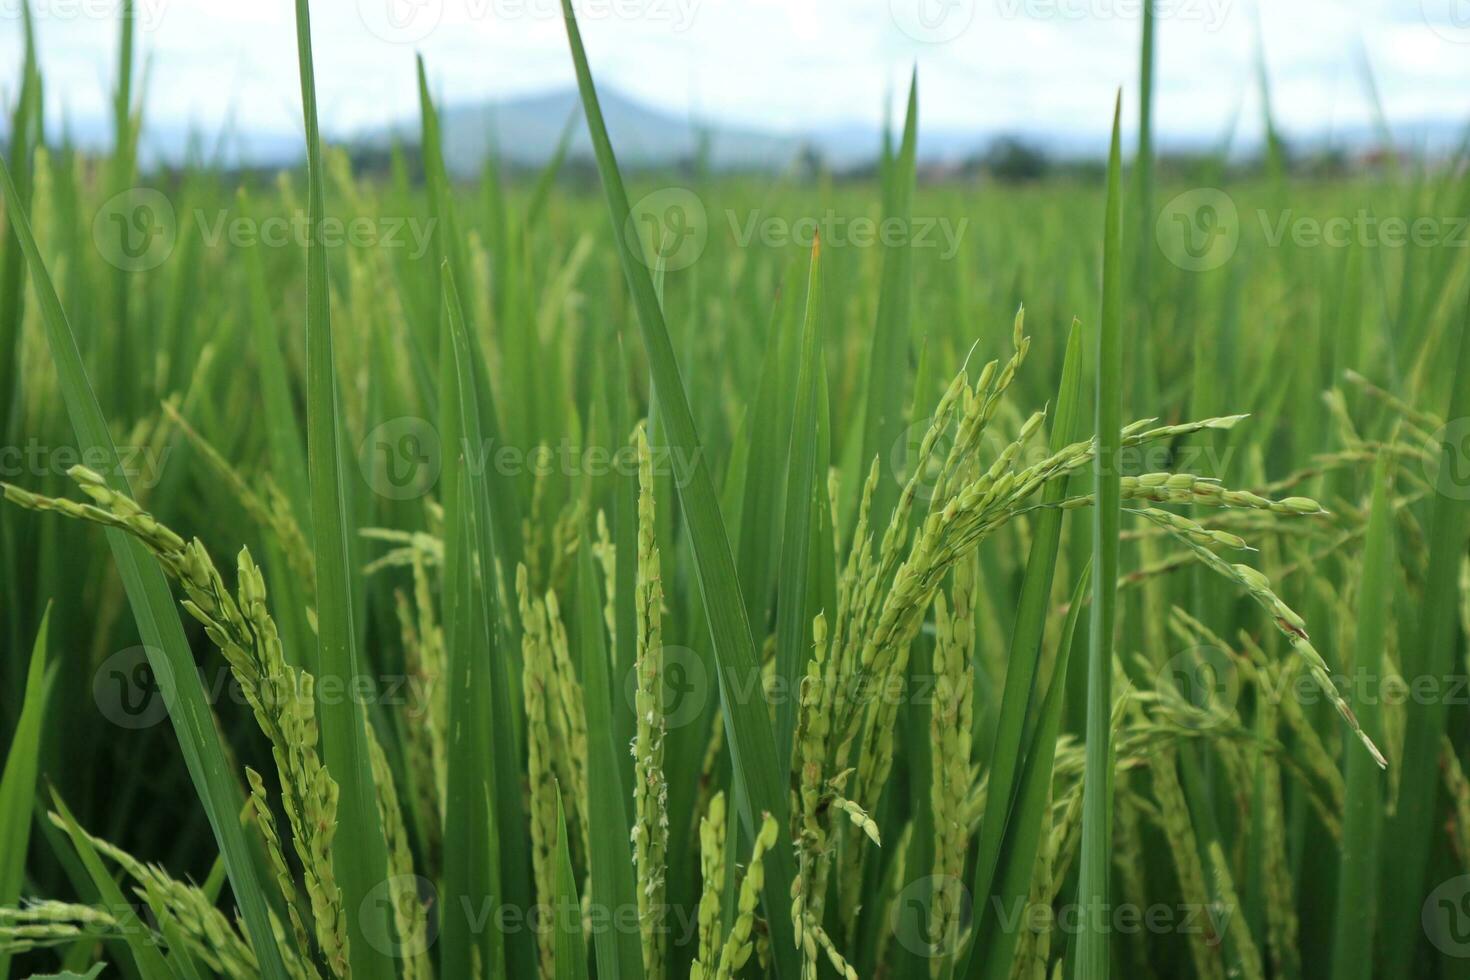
(717, 576)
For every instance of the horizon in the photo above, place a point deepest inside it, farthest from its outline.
(1036, 62)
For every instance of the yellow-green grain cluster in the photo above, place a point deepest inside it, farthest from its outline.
(280, 696)
(951, 721)
(712, 875)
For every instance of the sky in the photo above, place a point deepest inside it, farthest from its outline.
(984, 65)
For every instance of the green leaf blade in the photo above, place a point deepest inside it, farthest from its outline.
(360, 853)
(802, 470)
(889, 357)
(18, 784)
(471, 860)
(571, 947)
(995, 949)
(1008, 750)
(1093, 945)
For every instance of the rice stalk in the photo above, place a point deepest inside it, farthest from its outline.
(423, 654)
(650, 790)
(536, 684)
(410, 918)
(284, 878)
(1282, 925)
(951, 738)
(1204, 947)
(46, 924)
(212, 936)
(280, 696)
(1237, 930)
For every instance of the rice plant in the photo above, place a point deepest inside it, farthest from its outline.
(540, 605)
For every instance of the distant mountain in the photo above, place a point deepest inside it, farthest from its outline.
(526, 131)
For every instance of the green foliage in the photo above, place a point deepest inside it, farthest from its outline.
(810, 529)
